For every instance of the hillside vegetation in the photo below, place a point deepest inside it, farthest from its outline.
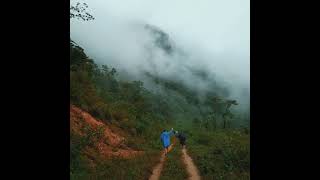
(219, 147)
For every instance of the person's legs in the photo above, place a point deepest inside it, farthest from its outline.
(169, 148)
(165, 150)
(183, 143)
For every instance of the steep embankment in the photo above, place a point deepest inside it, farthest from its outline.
(108, 142)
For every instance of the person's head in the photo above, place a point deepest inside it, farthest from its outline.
(164, 130)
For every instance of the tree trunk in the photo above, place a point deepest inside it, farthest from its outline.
(214, 124)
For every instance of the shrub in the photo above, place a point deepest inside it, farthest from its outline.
(204, 139)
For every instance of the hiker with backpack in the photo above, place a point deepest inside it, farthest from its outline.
(165, 139)
(182, 138)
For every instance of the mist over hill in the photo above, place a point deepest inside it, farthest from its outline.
(161, 56)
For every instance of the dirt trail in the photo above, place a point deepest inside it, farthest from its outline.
(158, 168)
(191, 168)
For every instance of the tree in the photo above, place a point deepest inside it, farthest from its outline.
(76, 52)
(217, 106)
(213, 119)
(113, 71)
(105, 69)
(196, 122)
(79, 11)
(206, 123)
(228, 114)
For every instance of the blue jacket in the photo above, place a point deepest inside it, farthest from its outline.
(165, 138)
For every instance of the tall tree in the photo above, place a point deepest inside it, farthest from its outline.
(228, 114)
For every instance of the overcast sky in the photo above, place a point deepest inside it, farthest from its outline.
(216, 32)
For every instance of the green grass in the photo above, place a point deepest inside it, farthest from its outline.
(223, 154)
(220, 154)
(173, 166)
(119, 169)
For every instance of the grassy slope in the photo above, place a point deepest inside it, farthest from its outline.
(117, 169)
(90, 165)
(223, 154)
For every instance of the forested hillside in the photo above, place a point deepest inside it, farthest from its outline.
(143, 113)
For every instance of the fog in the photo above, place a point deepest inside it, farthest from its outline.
(208, 35)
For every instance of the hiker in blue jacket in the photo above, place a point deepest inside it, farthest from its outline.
(165, 139)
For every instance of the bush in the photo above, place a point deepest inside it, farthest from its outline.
(122, 110)
(204, 139)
